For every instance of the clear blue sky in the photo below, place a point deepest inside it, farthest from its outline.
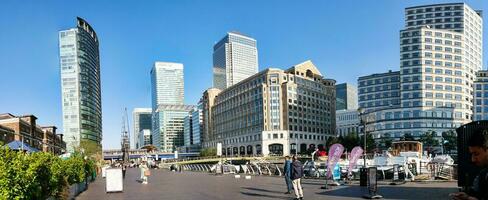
(345, 39)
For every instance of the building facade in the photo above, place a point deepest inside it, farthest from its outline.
(80, 85)
(144, 138)
(197, 123)
(440, 52)
(346, 97)
(188, 130)
(167, 84)
(274, 112)
(379, 91)
(25, 129)
(347, 122)
(141, 120)
(480, 108)
(235, 58)
(167, 132)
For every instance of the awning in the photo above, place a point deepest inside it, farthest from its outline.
(18, 145)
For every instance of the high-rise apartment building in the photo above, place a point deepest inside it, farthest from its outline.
(272, 112)
(80, 85)
(481, 96)
(235, 58)
(440, 52)
(346, 97)
(141, 120)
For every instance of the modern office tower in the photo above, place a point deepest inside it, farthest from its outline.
(235, 58)
(379, 91)
(197, 123)
(188, 130)
(141, 120)
(167, 132)
(80, 85)
(273, 112)
(346, 97)
(440, 52)
(167, 84)
(347, 122)
(144, 137)
(481, 96)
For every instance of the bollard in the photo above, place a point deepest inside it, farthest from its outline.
(237, 176)
(248, 177)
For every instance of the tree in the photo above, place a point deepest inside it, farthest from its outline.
(408, 137)
(90, 148)
(386, 143)
(350, 141)
(331, 141)
(428, 139)
(449, 141)
(206, 152)
(370, 143)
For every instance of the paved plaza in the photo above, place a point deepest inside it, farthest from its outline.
(194, 185)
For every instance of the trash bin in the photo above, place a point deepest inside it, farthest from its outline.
(363, 177)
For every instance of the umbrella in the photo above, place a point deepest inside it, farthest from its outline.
(18, 145)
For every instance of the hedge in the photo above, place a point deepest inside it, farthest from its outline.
(39, 175)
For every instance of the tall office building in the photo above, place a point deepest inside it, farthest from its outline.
(167, 84)
(235, 58)
(481, 96)
(168, 131)
(141, 120)
(346, 97)
(197, 123)
(272, 112)
(188, 130)
(80, 85)
(440, 52)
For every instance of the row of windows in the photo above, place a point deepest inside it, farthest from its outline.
(430, 9)
(391, 79)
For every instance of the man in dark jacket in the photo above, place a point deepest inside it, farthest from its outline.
(478, 147)
(296, 176)
(287, 171)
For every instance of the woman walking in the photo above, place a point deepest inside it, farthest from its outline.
(144, 172)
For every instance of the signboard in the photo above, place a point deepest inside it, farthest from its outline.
(372, 185)
(176, 154)
(219, 149)
(114, 181)
(335, 153)
(395, 172)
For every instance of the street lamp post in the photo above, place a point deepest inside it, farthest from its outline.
(363, 123)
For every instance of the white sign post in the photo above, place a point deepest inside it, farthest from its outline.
(176, 154)
(219, 149)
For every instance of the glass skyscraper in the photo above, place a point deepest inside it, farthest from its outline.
(141, 118)
(80, 85)
(167, 84)
(235, 58)
(346, 97)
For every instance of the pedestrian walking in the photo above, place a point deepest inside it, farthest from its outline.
(287, 173)
(478, 147)
(296, 176)
(144, 172)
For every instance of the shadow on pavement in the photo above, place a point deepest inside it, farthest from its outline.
(265, 195)
(392, 192)
(262, 190)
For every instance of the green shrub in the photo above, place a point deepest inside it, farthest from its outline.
(39, 175)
